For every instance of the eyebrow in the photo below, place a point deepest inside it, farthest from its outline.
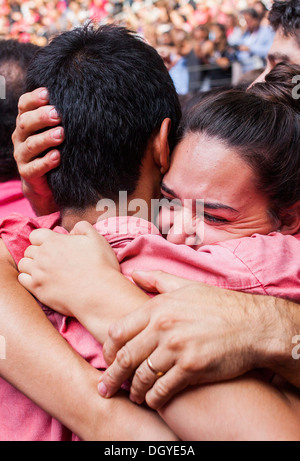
(279, 57)
(209, 205)
(219, 206)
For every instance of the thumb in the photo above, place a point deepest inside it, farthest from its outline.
(83, 228)
(159, 282)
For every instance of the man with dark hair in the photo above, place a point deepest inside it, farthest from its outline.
(255, 42)
(225, 334)
(14, 60)
(120, 113)
(109, 110)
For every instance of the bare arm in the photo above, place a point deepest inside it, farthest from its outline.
(194, 333)
(49, 372)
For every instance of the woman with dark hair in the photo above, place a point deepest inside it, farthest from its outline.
(238, 155)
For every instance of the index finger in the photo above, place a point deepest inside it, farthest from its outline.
(127, 360)
(33, 100)
(38, 236)
(124, 330)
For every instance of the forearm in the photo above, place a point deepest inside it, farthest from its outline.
(281, 323)
(114, 298)
(46, 369)
(264, 325)
(244, 409)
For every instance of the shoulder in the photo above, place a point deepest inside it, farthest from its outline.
(15, 230)
(273, 259)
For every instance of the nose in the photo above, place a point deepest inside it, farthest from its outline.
(185, 229)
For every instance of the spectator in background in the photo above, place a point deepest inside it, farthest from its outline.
(178, 69)
(14, 60)
(220, 59)
(233, 29)
(262, 10)
(255, 42)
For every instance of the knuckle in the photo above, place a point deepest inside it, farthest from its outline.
(110, 378)
(29, 145)
(174, 342)
(107, 353)
(164, 322)
(142, 376)
(116, 332)
(124, 358)
(21, 122)
(21, 106)
(188, 363)
(161, 390)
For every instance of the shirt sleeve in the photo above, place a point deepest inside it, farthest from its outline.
(216, 265)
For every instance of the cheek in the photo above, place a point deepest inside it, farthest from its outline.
(214, 234)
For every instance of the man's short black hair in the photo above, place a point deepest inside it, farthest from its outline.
(112, 91)
(286, 15)
(14, 60)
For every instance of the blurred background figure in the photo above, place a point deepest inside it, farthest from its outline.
(14, 60)
(255, 41)
(204, 43)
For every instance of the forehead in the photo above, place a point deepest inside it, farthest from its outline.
(203, 168)
(285, 46)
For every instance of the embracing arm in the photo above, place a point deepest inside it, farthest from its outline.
(36, 365)
(195, 333)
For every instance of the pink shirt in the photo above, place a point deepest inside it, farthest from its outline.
(258, 264)
(12, 199)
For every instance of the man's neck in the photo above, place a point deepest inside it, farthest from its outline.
(126, 206)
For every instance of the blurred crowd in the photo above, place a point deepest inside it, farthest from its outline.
(204, 43)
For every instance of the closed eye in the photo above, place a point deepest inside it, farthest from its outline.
(215, 219)
(170, 202)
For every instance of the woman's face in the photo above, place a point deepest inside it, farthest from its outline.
(215, 193)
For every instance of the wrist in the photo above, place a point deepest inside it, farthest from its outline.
(98, 312)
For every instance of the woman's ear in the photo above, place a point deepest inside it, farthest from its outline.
(161, 146)
(290, 220)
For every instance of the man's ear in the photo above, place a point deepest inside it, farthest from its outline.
(290, 220)
(161, 146)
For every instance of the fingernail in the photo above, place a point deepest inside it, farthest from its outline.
(54, 115)
(102, 389)
(44, 95)
(54, 156)
(58, 134)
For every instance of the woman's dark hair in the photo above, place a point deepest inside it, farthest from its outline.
(263, 126)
